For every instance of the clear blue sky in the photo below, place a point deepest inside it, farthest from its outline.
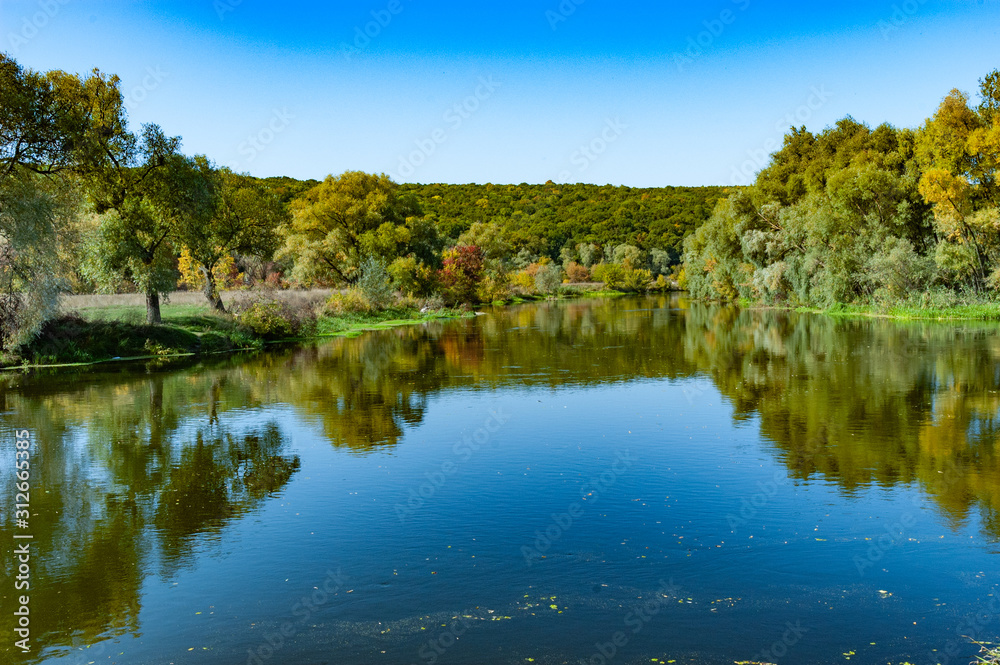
(600, 92)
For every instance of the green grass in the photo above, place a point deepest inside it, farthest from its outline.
(76, 340)
(353, 324)
(976, 312)
(137, 313)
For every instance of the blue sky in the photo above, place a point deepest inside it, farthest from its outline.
(633, 93)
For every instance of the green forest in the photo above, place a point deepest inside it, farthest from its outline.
(865, 217)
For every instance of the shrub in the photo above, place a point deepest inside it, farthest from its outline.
(431, 304)
(462, 273)
(274, 281)
(266, 320)
(898, 270)
(636, 281)
(612, 274)
(682, 279)
(548, 278)
(495, 286)
(577, 272)
(271, 319)
(375, 283)
(353, 301)
(413, 277)
(523, 283)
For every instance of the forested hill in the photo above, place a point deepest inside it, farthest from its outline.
(546, 218)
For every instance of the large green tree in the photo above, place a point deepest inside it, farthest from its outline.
(38, 129)
(959, 152)
(343, 219)
(140, 184)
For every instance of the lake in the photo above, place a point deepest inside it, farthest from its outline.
(637, 480)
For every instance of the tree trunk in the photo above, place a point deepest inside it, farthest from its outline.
(212, 293)
(153, 307)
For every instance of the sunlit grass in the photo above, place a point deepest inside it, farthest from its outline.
(978, 312)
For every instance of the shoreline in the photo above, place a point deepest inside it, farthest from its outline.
(70, 338)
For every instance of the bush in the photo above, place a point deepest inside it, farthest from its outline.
(496, 286)
(682, 279)
(375, 283)
(462, 274)
(273, 319)
(548, 278)
(612, 274)
(266, 320)
(413, 277)
(577, 272)
(523, 283)
(351, 302)
(636, 281)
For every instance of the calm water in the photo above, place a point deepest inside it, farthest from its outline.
(629, 481)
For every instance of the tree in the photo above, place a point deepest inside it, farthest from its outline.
(341, 220)
(245, 218)
(463, 271)
(34, 210)
(959, 150)
(140, 184)
(144, 208)
(37, 126)
(37, 200)
(989, 89)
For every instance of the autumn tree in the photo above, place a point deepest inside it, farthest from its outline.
(959, 152)
(461, 274)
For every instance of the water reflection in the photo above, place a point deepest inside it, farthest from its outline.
(132, 472)
(127, 476)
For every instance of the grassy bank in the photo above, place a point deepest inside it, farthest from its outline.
(970, 312)
(102, 328)
(96, 329)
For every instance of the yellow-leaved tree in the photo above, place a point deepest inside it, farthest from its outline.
(959, 152)
(344, 219)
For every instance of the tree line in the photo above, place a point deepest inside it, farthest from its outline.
(88, 203)
(865, 216)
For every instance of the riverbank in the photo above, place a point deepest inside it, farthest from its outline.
(102, 329)
(973, 312)
(74, 341)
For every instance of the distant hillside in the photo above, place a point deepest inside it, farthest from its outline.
(545, 218)
(549, 217)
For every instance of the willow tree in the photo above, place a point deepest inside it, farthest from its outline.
(337, 223)
(140, 184)
(244, 219)
(37, 131)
